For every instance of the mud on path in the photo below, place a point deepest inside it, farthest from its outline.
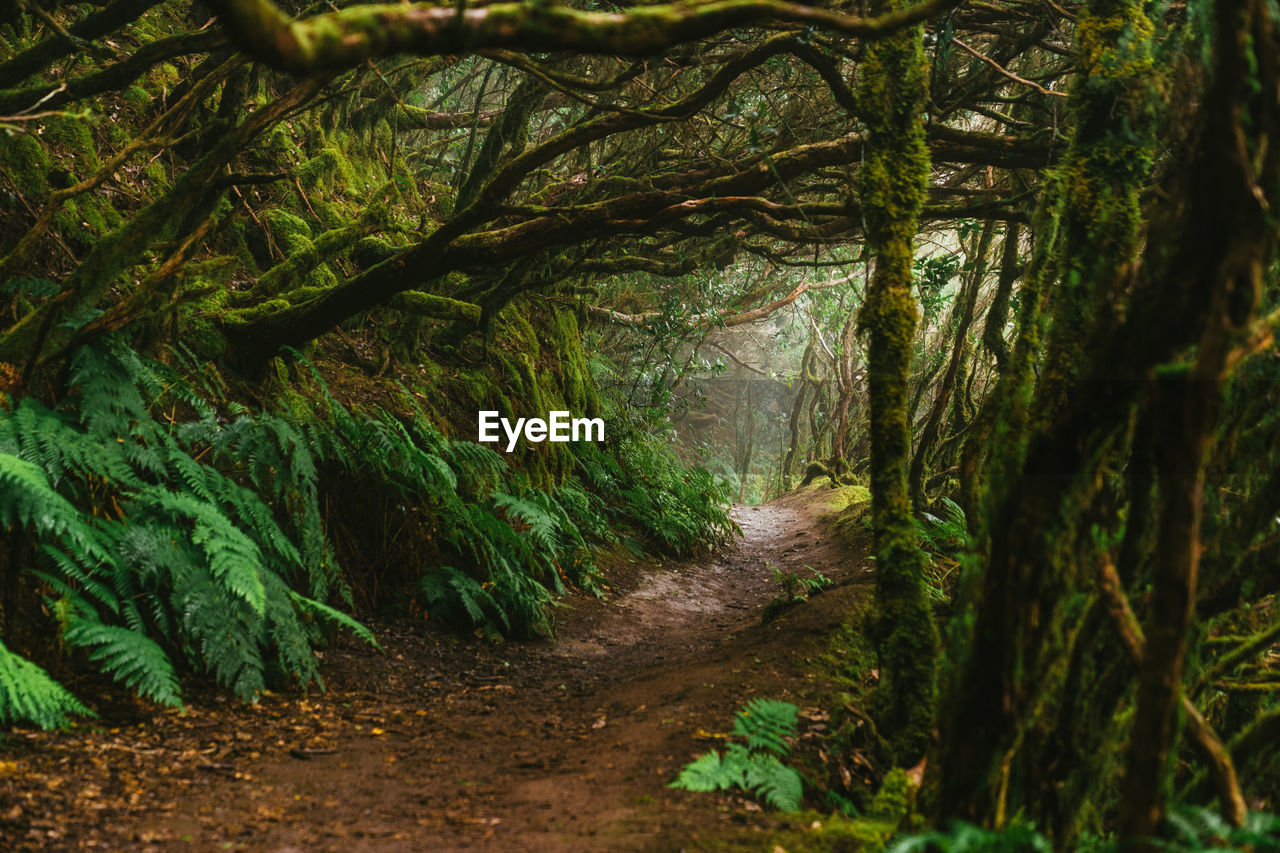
(445, 743)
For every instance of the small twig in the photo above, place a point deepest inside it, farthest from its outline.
(297, 182)
(306, 754)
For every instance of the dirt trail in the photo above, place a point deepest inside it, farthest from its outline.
(458, 744)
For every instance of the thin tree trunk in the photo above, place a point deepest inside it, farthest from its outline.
(966, 302)
(891, 183)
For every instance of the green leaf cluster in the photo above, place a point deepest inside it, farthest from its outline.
(755, 766)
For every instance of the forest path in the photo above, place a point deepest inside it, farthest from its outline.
(458, 744)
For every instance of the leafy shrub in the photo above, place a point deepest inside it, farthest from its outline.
(795, 590)
(945, 537)
(947, 532)
(175, 530)
(1199, 829)
(966, 838)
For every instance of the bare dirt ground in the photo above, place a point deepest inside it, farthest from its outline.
(447, 743)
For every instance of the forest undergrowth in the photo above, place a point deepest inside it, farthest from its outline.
(173, 532)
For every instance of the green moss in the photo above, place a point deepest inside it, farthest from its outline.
(157, 174)
(281, 145)
(1108, 162)
(79, 222)
(248, 315)
(26, 163)
(302, 294)
(166, 74)
(478, 387)
(289, 230)
(115, 135)
(439, 307)
(835, 501)
(893, 801)
(833, 834)
(73, 137)
(372, 250)
(321, 278)
(99, 215)
(239, 232)
(892, 183)
(535, 364)
(846, 657)
(321, 167)
(199, 330)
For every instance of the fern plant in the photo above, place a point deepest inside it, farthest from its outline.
(795, 590)
(944, 536)
(756, 765)
(947, 532)
(1196, 829)
(684, 510)
(152, 557)
(28, 693)
(177, 532)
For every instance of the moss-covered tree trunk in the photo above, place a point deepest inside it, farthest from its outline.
(892, 183)
(1010, 745)
(1000, 748)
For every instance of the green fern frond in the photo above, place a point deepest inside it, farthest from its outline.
(543, 527)
(27, 497)
(766, 724)
(773, 782)
(28, 693)
(291, 634)
(756, 766)
(707, 773)
(227, 634)
(130, 658)
(337, 617)
(447, 586)
(963, 837)
(69, 577)
(233, 557)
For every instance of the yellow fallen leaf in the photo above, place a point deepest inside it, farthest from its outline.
(379, 732)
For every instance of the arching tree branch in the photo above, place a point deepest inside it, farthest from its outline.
(346, 38)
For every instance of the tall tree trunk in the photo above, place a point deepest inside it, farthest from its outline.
(846, 387)
(1202, 261)
(797, 414)
(892, 183)
(1187, 402)
(1040, 481)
